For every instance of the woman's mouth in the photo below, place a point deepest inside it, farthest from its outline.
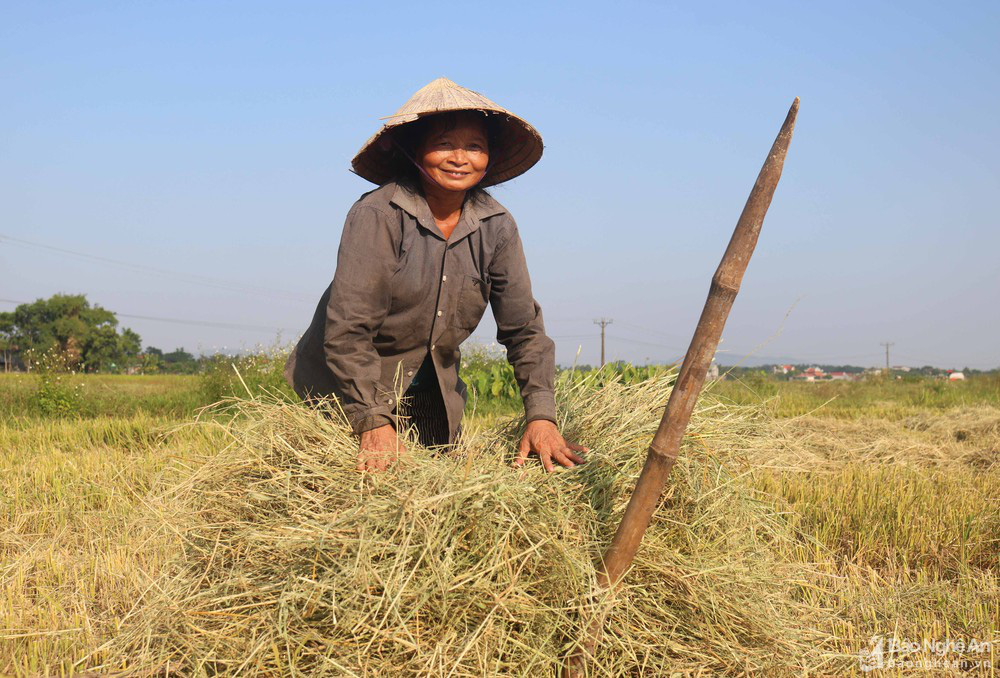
(455, 175)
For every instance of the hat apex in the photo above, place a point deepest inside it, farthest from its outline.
(438, 96)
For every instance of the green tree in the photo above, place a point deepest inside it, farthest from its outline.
(151, 360)
(8, 345)
(180, 361)
(87, 337)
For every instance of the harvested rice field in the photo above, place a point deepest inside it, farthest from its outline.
(791, 540)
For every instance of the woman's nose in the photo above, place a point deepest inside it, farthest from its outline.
(459, 157)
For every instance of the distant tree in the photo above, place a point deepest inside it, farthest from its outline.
(151, 360)
(179, 361)
(86, 336)
(107, 350)
(8, 345)
(178, 355)
(130, 347)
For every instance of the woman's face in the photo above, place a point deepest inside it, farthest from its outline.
(456, 157)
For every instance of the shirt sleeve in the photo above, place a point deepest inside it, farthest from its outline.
(521, 330)
(360, 296)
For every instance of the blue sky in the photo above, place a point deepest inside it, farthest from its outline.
(212, 140)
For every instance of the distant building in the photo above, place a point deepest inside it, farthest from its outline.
(783, 369)
(812, 374)
(956, 376)
(840, 376)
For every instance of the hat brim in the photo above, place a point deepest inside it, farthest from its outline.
(516, 150)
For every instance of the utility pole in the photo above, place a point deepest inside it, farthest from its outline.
(887, 344)
(603, 322)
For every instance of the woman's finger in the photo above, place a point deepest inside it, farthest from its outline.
(571, 458)
(576, 458)
(522, 452)
(577, 448)
(546, 458)
(560, 456)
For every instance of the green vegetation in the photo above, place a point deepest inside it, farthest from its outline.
(64, 333)
(178, 361)
(105, 395)
(85, 337)
(46, 393)
(493, 388)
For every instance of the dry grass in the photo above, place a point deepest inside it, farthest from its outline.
(72, 559)
(457, 565)
(901, 520)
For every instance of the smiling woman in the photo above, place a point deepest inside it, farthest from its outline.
(420, 259)
(450, 153)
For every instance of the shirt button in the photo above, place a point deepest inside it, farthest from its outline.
(409, 373)
(444, 278)
(389, 401)
(433, 346)
(440, 313)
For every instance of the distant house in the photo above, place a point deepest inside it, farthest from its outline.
(840, 376)
(812, 374)
(956, 376)
(783, 369)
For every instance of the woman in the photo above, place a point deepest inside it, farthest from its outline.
(420, 258)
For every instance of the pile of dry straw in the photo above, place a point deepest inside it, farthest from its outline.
(458, 565)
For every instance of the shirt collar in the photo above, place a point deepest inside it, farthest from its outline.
(473, 212)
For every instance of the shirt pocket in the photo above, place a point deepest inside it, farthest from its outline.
(473, 296)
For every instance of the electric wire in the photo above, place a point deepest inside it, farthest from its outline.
(181, 321)
(191, 278)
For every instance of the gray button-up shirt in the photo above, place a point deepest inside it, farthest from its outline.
(402, 290)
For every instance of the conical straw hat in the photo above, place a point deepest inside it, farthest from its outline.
(520, 144)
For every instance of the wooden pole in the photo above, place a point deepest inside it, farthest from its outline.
(666, 443)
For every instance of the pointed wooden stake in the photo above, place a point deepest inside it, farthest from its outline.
(667, 440)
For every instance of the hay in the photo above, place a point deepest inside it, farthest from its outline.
(949, 440)
(457, 565)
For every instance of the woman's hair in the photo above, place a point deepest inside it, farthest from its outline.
(408, 138)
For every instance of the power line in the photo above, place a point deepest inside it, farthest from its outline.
(640, 341)
(191, 278)
(640, 328)
(649, 331)
(205, 323)
(832, 360)
(181, 321)
(679, 355)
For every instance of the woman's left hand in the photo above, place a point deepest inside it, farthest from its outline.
(542, 437)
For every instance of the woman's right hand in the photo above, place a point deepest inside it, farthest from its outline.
(380, 448)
